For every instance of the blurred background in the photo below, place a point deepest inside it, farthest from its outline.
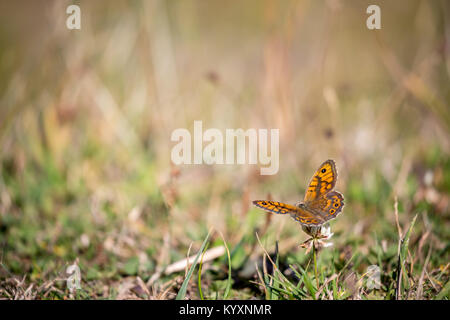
(86, 118)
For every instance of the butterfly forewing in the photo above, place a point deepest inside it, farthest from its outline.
(275, 207)
(322, 182)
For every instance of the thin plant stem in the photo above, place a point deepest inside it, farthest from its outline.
(315, 263)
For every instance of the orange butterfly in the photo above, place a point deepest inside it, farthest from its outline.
(321, 203)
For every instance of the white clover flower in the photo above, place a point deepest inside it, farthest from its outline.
(74, 277)
(319, 236)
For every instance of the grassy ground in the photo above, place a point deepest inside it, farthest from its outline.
(85, 171)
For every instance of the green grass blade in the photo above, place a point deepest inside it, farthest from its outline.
(405, 242)
(229, 281)
(444, 292)
(182, 293)
(276, 295)
(404, 253)
(200, 292)
(335, 289)
(309, 285)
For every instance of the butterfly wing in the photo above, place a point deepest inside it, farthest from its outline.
(305, 217)
(322, 182)
(328, 206)
(274, 206)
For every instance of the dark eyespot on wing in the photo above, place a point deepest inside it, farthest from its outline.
(334, 207)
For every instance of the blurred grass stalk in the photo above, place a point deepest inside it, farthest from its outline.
(403, 243)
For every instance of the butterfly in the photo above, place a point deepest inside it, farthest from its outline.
(320, 204)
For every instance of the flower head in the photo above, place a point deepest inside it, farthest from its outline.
(319, 236)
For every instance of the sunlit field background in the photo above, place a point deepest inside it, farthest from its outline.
(86, 177)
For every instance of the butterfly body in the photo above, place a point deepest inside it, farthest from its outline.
(320, 204)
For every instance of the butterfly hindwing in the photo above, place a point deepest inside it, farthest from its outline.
(335, 203)
(322, 182)
(307, 218)
(328, 206)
